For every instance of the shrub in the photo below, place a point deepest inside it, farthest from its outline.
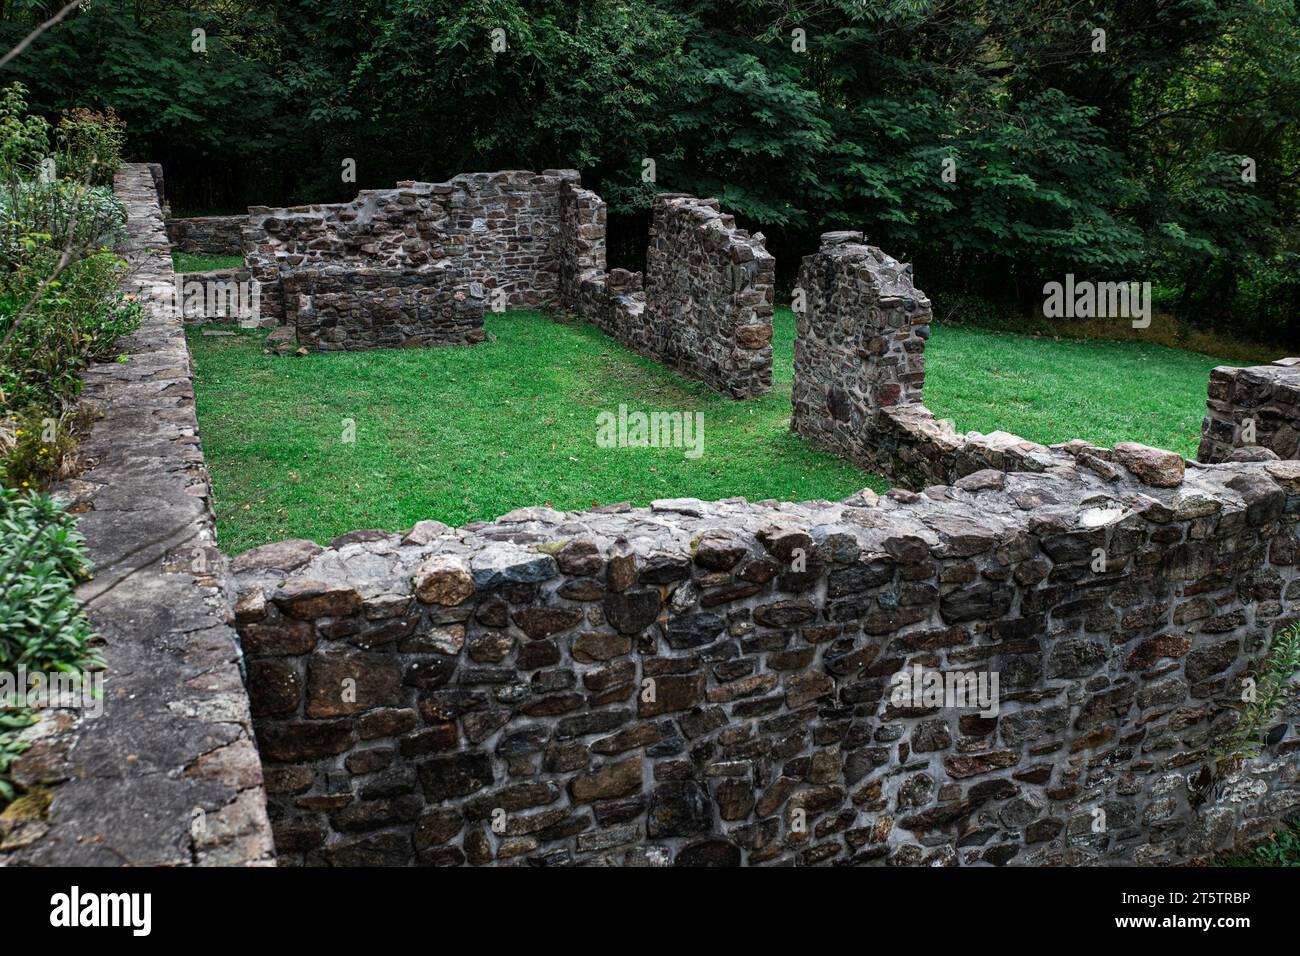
(76, 320)
(92, 145)
(41, 560)
(59, 214)
(42, 627)
(24, 139)
(1281, 848)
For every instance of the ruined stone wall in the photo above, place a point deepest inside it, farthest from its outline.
(711, 683)
(341, 307)
(709, 296)
(511, 224)
(497, 231)
(200, 302)
(517, 239)
(210, 235)
(581, 248)
(859, 346)
(168, 774)
(1252, 413)
(704, 305)
(859, 375)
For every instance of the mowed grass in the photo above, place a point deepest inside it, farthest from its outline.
(465, 434)
(1051, 390)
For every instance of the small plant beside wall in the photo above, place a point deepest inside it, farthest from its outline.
(42, 628)
(1265, 696)
(92, 145)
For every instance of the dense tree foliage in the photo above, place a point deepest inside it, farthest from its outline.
(1132, 161)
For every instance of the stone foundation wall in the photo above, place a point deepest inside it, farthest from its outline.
(1252, 413)
(210, 235)
(497, 231)
(168, 774)
(341, 308)
(714, 683)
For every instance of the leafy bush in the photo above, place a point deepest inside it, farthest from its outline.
(1279, 849)
(1282, 849)
(92, 145)
(77, 320)
(41, 560)
(42, 627)
(60, 214)
(24, 139)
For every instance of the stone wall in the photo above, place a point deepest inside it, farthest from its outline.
(517, 239)
(168, 774)
(340, 307)
(497, 231)
(709, 289)
(1252, 413)
(581, 248)
(704, 304)
(713, 683)
(210, 235)
(716, 683)
(859, 345)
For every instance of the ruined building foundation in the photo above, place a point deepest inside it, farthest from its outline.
(699, 683)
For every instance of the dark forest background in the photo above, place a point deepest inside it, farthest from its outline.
(1122, 163)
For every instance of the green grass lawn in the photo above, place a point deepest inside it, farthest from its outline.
(200, 262)
(464, 434)
(1052, 390)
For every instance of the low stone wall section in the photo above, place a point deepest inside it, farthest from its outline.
(217, 295)
(341, 308)
(208, 235)
(1252, 413)
(498, 231)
